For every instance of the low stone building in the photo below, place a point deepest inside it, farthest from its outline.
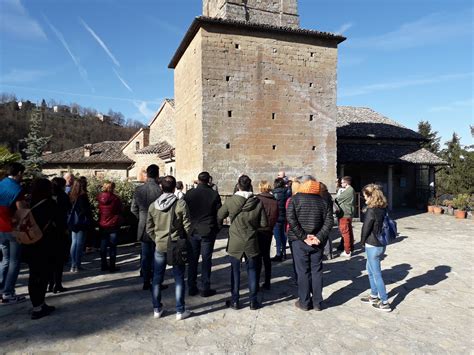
(104, 159)
(373, 148)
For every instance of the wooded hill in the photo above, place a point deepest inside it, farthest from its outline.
(68, 130)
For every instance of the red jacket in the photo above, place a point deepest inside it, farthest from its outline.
(110, 210)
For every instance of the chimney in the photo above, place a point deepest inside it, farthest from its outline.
(87, 150)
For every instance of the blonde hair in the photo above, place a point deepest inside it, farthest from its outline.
(264, 186)
(109, 186)
(374, 196)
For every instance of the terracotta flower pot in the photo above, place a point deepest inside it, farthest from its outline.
(438, 210)
(431, 209)
(460, 214)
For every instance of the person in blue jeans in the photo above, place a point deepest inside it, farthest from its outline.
(11, 197)
(168, 219)
(280, 192)
(81, 206)
(373, 222)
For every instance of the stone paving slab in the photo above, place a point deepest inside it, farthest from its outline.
(428, 274)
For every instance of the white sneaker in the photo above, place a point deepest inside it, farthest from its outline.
(346, 255)
(184, 315)
(157, 313)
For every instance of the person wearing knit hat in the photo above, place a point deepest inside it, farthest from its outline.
(310, 221)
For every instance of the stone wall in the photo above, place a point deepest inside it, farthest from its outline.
(282, 101)
(139, 141)
(268, 103)
(163, 127)
(107, 172)
(272, 12)
(188, 112)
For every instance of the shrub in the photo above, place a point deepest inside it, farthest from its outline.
(462, 202)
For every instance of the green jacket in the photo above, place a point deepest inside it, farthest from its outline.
(244, 224)
(158, 223)
(346, 201)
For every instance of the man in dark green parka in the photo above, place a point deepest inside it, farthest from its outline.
(246, 215)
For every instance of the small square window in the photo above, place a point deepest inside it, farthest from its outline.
(229, 113)
(314, 147)
(311, 117)
(274, 147)
(237, 46)
(310, 85)
(227, 78)
(273, 115)
(312, 54)
(275, 50)
(227, 146)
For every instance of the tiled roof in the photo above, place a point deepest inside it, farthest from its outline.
(362, 122)
(103, 152)
(386, 154)
(162, 149)
(202, 20)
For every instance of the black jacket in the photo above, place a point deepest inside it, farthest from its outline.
(309, 214)
(373, 222)
(203, 203)
(281, 195)
(83, 207)
(143, 197)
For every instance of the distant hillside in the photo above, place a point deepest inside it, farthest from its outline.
(68, 130)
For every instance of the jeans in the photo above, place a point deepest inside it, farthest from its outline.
(202, 245)
(345, 227)
(77, 247)
(377, 286)
(108, 239)
(10, 265)
(280, 238)
(159, 268)
(148, 250)
(264, 245)
(235, 277)
(309, 267)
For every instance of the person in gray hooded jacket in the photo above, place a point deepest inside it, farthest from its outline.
(161, 223)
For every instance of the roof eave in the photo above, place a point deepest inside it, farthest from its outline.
(201, 20)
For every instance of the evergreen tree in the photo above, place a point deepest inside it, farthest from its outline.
(35, 144)
(432, 139)
(457, 177)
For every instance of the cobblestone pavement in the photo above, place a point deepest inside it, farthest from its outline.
(428, 274)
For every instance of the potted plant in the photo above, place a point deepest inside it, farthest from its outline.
(461, 202)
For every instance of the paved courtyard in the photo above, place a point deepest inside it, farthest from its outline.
(429, 276)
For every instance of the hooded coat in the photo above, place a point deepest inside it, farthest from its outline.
(110, 211)
(247, 216)
(160, 222)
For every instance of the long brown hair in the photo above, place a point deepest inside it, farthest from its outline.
(78, 189)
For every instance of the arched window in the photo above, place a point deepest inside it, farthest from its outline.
(137, 145)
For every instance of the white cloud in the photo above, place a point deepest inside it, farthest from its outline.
(453, 105)
(433, 28)
(59, 35)
(100, 41)
(368, 89)
(16, 76)
(344, 28)
(15, 20)
(123, 81)
(143, 108)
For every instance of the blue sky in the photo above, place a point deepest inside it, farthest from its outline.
(410, 60)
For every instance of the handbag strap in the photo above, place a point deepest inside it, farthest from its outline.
(172, 209)
(39, 203)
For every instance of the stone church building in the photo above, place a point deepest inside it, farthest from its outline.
(254, 93)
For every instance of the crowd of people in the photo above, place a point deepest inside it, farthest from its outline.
(298, 213)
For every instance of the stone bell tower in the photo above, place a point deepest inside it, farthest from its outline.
(282, 13)
(254, 94)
